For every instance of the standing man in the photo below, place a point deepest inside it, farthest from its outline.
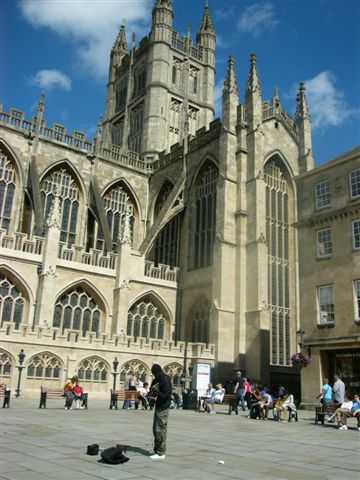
(160, 391)
(338, 390)
(239, 389)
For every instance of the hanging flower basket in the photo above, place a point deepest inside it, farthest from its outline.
(300, 360)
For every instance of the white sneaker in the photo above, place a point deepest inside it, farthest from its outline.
(157, 457)
(343, 427)
(77, 407)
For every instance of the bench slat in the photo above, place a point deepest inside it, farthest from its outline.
(56, 393)
(116, 395)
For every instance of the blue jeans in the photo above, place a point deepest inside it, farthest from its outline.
(240, 395)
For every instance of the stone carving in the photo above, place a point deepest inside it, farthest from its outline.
(126, 230)
(50, 272)
(261, 238)
(125, 284)
(54, 218)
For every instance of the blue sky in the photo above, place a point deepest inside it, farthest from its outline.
(63, 47)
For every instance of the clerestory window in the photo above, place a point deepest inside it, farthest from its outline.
(7, 189)
(147, 321)
(12, 302)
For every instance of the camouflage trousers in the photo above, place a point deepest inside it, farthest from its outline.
(159, 430)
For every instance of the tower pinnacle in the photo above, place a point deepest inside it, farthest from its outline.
(206, 25)
(230, 83)
(253, 82)
(121, 43)
(302, 110)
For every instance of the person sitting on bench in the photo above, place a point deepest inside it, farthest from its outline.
(217, 397)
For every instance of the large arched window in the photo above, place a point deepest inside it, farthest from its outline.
(205, 215)
(175, 372)
(12, 301)
(93, 374)
(44, 367)
(134, 366)
(8, 183)
(146, 320)
(166, 247)
(117, 202)
(278, 192)
(60, 181)
(6, 367)
(201, 323)
(78, 310)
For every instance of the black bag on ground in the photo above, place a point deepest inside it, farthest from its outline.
(92, 449)
(113, 456)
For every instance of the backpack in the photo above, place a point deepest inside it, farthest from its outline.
(113, 456)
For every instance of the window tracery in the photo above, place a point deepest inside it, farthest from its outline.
(7, 189)
(205, 216)
(140, 370)
(44, 366)
(277, 234)
(174, 371)
(77, 310)
(201, 323)
(12, 302)
(61, 181)
(93, 370)
(5, 365)
(146, 320)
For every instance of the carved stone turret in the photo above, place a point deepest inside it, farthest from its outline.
(253, 96)
(206, 37)
(303, 122)
(230, 98)
(162, 20)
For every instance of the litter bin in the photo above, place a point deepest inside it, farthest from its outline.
(189, 399)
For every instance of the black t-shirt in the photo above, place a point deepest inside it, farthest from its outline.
(239, 380)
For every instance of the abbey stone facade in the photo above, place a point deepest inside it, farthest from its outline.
(169, 238)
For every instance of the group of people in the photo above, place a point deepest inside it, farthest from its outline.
(212, 396)
(259, 400)
(345, 406)
(73, 392)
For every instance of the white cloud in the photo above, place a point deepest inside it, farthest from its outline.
(257, 18)
(327, 104)
(92, 25)
(48, 79)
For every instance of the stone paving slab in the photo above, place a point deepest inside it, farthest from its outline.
(51, 445)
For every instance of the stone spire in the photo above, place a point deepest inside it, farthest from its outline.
(121, 43)
(162, 19)
(206, 25)
(276, 100)
(40, 112)
(230, 83)
(302, 110)
(54, 218)
(253, 82)
(303, 122)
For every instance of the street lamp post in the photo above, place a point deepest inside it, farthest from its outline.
(115, 366)
(20, 368)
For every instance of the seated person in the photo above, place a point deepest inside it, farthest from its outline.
(342, 412)
(255, 404)
(278, 408)
(143, 391)
(217, 397)
(287, 404)
(175, 400)
(208, 394)
(266, 402)
(355, 409)
(78, 395)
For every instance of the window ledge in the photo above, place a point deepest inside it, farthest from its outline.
(357, 321)
(325, 257)
(326, 325)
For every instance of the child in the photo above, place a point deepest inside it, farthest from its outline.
(78, 393)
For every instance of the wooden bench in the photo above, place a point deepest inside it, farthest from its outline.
(116, 395)
(6, 393)
(54, 394)
(322, 410)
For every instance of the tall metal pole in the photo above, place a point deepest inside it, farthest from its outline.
(20, 367)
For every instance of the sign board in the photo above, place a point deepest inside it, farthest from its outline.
(202, 376)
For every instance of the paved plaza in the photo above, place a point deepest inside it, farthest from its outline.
(51, 444)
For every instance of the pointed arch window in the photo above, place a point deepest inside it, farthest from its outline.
(277, 233)
(166, 247)
(8, 186)
(44, 367)
(174, 122)
(174, 371)
(201, 323)
(134, 366)
(146, 320)
(77, 310)
(93, 370)
(6, 366)
(12, 302)
(117, 202)
(61, 181)
(205, 216)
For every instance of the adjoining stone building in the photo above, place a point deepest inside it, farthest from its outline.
(169, 238)
(329, 254)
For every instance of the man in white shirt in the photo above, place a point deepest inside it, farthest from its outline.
(338, 390)
(342, 412)
(217, 397)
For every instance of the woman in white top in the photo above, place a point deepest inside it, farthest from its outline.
(217, 397)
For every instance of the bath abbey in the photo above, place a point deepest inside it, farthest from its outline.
(173, 237)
